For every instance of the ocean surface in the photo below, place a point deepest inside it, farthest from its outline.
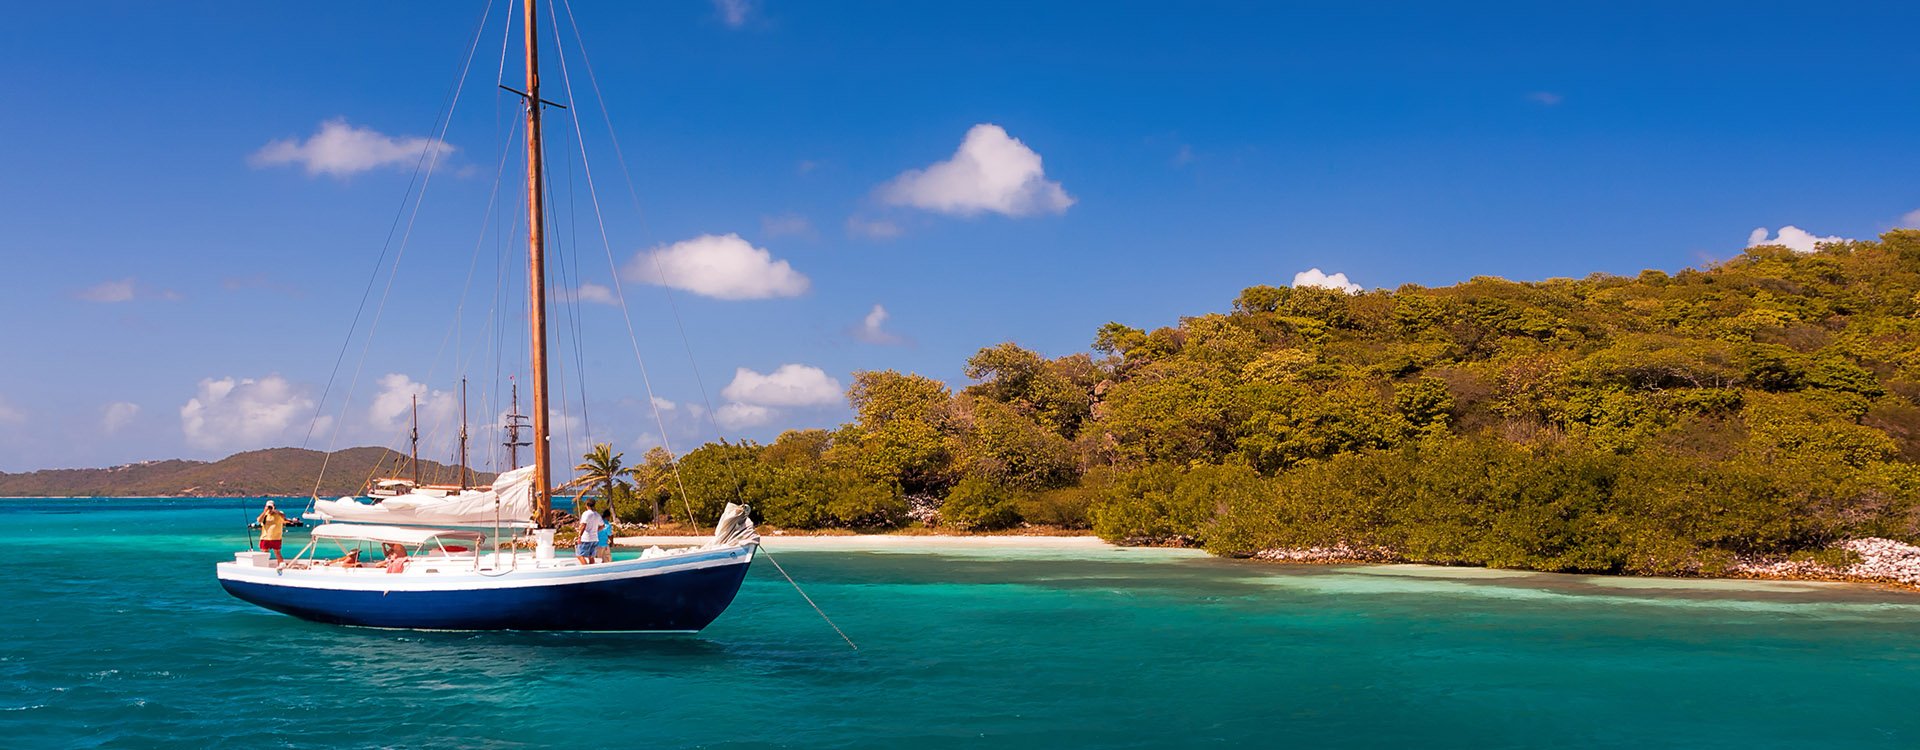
(114, 633)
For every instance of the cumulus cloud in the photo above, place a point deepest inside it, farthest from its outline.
(786, 225)
(123, 290)
(233, 413)
(108, 291)
(718, 266)
(872, 328)
(596, 293)
(992, 172)
(117, 415)
(1911, 220)
(340, 149)
(1313, 277)
(789, 385)
(738, 416)
(663, 404)
(873, 229)
(392, 408)
(1791, 237)
(10, 414)
(734, 13)
(1183, 155)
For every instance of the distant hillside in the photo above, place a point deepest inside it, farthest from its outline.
(271, 472)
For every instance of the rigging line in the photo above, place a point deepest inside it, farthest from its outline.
(506, 35)
(619, 289)
(429, 157)
(803, 595)
(579, 330)
(621, 159)
(459, 310)
(566, 427)
(405, 237)
(569, 303)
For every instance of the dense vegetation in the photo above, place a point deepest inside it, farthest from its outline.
(275, 472)
(1767, 405)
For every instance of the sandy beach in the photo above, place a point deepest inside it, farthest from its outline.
(893, 542)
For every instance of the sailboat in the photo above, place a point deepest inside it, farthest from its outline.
(438, 573)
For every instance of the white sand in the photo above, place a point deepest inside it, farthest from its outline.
(889, 542)
(980, 547)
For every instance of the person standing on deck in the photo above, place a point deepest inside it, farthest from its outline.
(590, 526)
(273, 527)
(606, 542)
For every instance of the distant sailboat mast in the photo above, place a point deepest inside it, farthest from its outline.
(413, 442)
(463, 435)
(515, 423)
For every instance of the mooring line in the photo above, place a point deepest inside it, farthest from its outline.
(803, 595)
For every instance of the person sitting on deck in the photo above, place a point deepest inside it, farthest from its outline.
(396, 555)
(350, 560)
(590, 525)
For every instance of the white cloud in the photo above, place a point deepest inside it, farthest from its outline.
(876, 229)
(340, 150)
(231, 413)
(117, 415)
(392, 409)
(1791, 237)
(10, 414)
(598, 293)
(1313, 277)
(1183, 155)
(992, 171)
(719, 266)
(786, 225)
(790, 385)
(741, 416)
(1545, 98)
(663, 404)
(108, 291)
(123, 290)
(872, 328)
(1911, 220)
(734, 13)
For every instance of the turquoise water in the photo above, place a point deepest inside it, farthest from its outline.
(115, 634)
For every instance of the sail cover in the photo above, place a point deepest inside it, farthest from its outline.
(509, 502)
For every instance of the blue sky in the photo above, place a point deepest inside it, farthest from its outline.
(178, 286)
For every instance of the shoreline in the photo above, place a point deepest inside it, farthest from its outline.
(1881, 563)
(1317, 557)
(893, 542)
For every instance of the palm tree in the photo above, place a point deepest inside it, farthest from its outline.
(599, 469)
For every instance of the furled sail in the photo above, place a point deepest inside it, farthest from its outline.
(734, 527)
(509, 502)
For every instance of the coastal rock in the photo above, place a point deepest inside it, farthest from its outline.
(1339, 553)
(923, 508)
(1881, 560)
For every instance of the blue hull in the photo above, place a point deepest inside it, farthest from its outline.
(681, 601)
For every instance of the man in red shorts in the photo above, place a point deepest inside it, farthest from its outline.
(273, 526)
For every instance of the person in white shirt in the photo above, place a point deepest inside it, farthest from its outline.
(587, 552)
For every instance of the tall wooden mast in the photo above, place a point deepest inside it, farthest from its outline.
(537, 277)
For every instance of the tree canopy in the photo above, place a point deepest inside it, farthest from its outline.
(1659, 423)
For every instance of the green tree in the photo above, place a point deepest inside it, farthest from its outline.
(599, 469)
